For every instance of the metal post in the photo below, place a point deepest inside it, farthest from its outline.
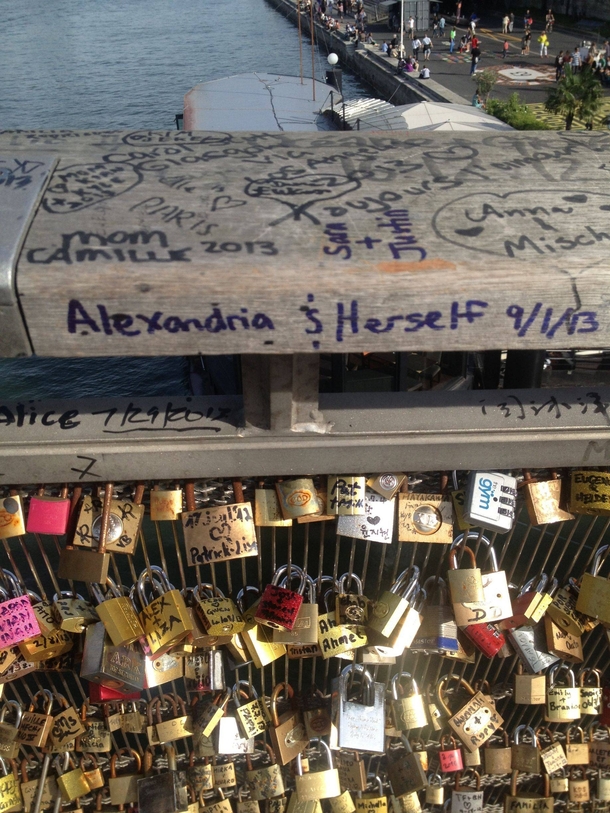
(402, 28)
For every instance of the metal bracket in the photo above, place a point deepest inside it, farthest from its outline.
(22, 183)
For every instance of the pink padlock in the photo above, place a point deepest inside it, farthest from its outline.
(48, 515)
(17, 617)
(450, 758)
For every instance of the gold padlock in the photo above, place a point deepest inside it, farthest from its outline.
(124, 787)
(117, 614)
(73, 784)
(287, 732)
(165, 619)
(530, 802)
(317, 785)
(542, 499)
(264, 782)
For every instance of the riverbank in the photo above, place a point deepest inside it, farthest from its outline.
(372, 66)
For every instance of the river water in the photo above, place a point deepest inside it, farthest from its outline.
(126, 64)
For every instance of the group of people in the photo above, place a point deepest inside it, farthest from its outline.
(598, 60)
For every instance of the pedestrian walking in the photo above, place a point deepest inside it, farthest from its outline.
(441, 27)
(544, 44)
(411, 26)
(504, 49)
(550, 21)
(435, 26)
(427, 43)
(474, 60)
(511, 22)
(416, 45)
(505, 21)
(558, 66)
(452, 36)
(576, 60)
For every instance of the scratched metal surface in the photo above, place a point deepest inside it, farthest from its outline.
(561, 550)
(162, 242)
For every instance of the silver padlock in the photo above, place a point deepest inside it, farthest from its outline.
(358, 724)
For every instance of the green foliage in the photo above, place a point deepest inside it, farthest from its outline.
(515, 113)
(485, 81)
(577, 95)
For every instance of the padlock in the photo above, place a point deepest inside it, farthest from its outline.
(337, 640)
(11, 517)
(207, 668)
(542, 499)
(118, 667)
(117, 614)
(405, 772)
(529, 690)
(35, 727)
(371, 802)
(563, 611)
(490, 501)
(562, 702)
(594, 594)
(358, 723)
(387, 611)
(165, 504)
(465, 798)
(352, 770)
(559, 642)
(199, 637)
(476, 721)
(278, 607)
(287, 732)
(193, 799)
(525, 757)
(559, 782)
(256, 640)
(590, 696)
(218, 614)
(345, 495)
(553, 756)
(93, 776)
(132, 720)
(450, 758)
(252, 717)
(603, 786)
(162, 669)
(498, 759)
(297, 498)
(9, 745)
(578, 787)
(18, 620)
(409, 712)
(435, 791)
(29, 788)
(124, 787)
(267, 510)
(48, 515)
(351, 608)
(66, 727)
(530, 645)
(87, 565)
(264, 782)
(316, 785)
(207, 716)
(177, 726)
(244, 805)
(388, 484)
(165, 619)
(199, 773)
(123, 523)
(496, 604)
(420, 751)
(49, 644)
(599, 750)
(206, 805)
(526, 606)
(577, 753)
(343, 803)
(316, 713)
(528, 802)
(409, 624)
(227, 736)
(72, 784)
(165, 792)
(10, 793)
(465, 584)
(407, 803)
(305, 630)
(438, 631)
(96, 738)
(73, 612)
(223, 773)
(589, 492)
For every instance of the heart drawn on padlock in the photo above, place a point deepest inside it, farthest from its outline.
(373, 520)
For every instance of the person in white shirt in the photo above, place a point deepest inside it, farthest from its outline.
(416, 45)
(424, 73)
(411, 26)
(427, 43)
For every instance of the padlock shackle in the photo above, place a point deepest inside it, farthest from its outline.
(243, 685)
(546, 731)
(555, 670)
(320, 741)
(599, 559)
(459, 775)
(584, 675)
(442, 685)
(367, 685)
(15, 590)
(345, 582)
(288, 578)
(273, 700)
(469, 536)
(13, 704)
(453, 565)
(396, 681)
(406, 582)
(240, 598)
(578, 728)
(517, 735)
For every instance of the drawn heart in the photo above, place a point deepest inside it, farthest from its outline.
(473, 232)
(373, 520)
(226, 202)
(575, 198)
(81, 185)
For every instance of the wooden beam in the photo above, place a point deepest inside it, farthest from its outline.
(175, 243)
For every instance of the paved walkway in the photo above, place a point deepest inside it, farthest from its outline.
(530, 75)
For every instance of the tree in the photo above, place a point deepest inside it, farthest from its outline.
(515, 113)
(576, 95)
(485, 83)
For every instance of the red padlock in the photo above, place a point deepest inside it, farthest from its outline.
(102, 694)
(48, 515)
(485, 637)
(279, 607)
(450, 758)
